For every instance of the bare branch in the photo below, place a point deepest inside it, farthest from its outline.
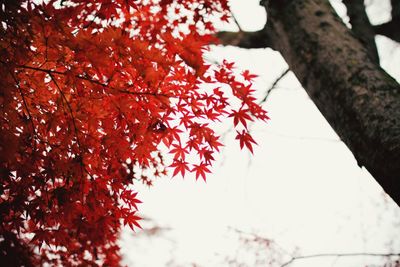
(395, 9)
(361, 26)
(274, 84)
(391, 28)
(295, 258)
(243, 39)
(237, 23)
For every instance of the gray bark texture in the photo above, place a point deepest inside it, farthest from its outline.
(339, 70)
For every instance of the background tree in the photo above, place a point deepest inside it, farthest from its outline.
(339, 69)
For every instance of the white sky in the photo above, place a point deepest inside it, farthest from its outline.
(302, 187)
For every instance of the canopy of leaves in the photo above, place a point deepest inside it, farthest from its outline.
(91, 91)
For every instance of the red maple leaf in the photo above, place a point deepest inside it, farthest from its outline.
(201, 170)
(179, 166)
(242, 116)
(179, 151)
(245, 139)
(248, 76)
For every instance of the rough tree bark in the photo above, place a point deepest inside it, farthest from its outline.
(339, 70)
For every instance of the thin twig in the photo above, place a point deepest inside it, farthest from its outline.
(27, 109)
(69, 109)
(237, 23)
(339, 255)
(274, 84)
(271, 241)
(50, 72)
(83, 167)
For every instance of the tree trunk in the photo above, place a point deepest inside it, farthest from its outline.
(359, 99)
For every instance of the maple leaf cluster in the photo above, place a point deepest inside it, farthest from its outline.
(91, 91)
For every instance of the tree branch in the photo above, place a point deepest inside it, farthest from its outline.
(268, 242)
(391, 29)
(237, 23)
(97, 82)
(361, 26)
(294, 258)
(274, 84)
(81, 153)
(395, 9)
(27, 110)
(64, 98)
(244, 39)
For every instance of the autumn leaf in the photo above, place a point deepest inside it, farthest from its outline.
(242, 116)
(201, 170)
(179, 166)
(179, 151)
(248, 76)
(245, 139)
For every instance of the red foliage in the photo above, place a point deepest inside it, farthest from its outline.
(90, 93)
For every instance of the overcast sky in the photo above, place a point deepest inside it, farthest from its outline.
(302, 187)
